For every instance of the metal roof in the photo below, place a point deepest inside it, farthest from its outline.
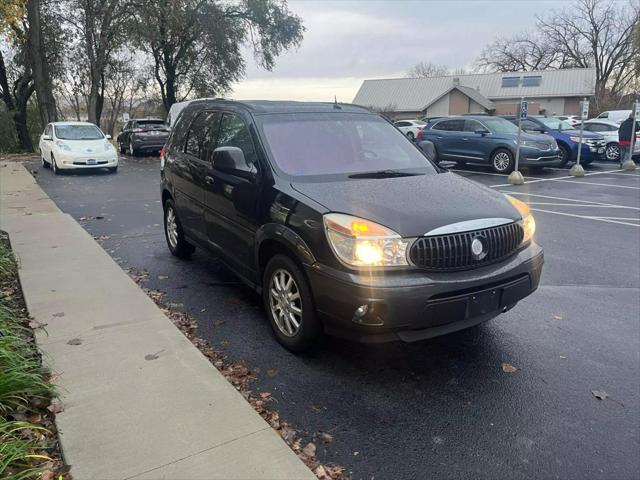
(415, 94)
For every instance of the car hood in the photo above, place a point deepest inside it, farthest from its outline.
(86, 146)
(576, 133)
(411, 206)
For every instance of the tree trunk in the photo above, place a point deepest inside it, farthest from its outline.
(20, 122)
(39, 66)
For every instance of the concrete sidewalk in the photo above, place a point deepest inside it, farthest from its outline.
(140, 401)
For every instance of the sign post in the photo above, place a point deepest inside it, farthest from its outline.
(515, 177)
(577, 170)
(629, 164)
(125, 117)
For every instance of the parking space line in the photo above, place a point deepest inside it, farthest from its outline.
(598, 184)
(486, 173)
(588, 217)
(581, 205)
(557, 179)
(567, 199)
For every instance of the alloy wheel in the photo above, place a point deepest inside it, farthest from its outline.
(285, 302)
(172, 227)
(501, 161)
(612, 152)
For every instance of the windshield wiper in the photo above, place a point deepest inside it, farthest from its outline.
(383, 174)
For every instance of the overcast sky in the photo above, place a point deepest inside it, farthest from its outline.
(348, 41)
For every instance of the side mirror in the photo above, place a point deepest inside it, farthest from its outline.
(231, 160)
(47, 137)
(481, 132)
(108, 137)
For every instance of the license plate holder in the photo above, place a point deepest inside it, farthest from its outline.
(484, 302)
(92, 161)
(601, 150)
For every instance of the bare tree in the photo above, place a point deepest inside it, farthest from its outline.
(427, 69)
(592, 33)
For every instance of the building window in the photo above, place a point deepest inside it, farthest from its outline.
(510, 81)
(531, 81)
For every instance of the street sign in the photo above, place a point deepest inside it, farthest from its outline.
(524, 108)
(584, 110)
(636, 111)
(125, 117)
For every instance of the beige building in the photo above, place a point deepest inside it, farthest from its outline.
(549, 92)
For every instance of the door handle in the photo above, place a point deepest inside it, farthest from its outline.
(208, 180)
(438, 137)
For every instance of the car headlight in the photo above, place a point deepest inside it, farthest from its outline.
(108, 146)
(576, 139)
(528, 223)
(63, 146)
(361, 243)
(528, 143)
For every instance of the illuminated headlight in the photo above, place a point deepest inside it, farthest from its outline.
(362, 243)
(528, 223)
(63, 146)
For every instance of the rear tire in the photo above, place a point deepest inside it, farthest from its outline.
(502, 161)
(178, 245)
(411, 136)
(290, 303)
(45, 164)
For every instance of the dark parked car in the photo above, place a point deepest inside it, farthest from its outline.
(488, 140)
(567, 137)
(341, 223)
(143, 135)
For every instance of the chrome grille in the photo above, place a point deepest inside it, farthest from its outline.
(453, 251)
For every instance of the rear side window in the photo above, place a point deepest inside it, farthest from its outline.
(200, 137)
(473, 126)
(604, 115)
(234, 133)
(403, 124)
(450, 125)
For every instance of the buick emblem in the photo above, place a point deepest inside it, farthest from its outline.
(478, 248)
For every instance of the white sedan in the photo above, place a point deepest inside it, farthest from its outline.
(610, 131)
(410, 127)
(76, 145)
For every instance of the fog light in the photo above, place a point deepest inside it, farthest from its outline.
(361, 311)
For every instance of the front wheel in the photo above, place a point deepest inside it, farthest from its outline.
(132, 150)
(178, 245)
(289, 305)
(502, 161)
(54, 166)
(612, 152)
(565, 155)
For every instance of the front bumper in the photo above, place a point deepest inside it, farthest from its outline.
(415, 305)
(533, 157)
(72, 162)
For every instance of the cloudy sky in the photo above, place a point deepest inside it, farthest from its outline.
(349, 41)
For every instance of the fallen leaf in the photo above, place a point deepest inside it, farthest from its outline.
(56, 407)
(217, 323)
(309, 450)
(563, 357)
(265, 394)
(600, 394)
(59, 314)
(558, 317)
(74, 341)
(271, 372)
(508, 368)
(325, 437)
(34, 324)
(162, 277)
(355, 454)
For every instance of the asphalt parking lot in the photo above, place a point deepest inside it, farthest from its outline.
(442, 408)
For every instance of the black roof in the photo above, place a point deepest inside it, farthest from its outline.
(281, 106)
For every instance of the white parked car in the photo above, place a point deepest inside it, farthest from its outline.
(76, 145)
(617, 116)
(572, 120)
(410, 127)
(609, 130)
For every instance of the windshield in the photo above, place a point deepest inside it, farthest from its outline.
(78, 132)
(499, 125)
(310, 144)
(150, 123)
(556, 124)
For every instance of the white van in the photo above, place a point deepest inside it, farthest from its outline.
(617, 116)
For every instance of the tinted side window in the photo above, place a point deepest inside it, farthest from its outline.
(529, 125)
(472, 126)
(47, 131)
(234, 133)
(200, 136)
(402, 124)
(450, 125)
(604, 115)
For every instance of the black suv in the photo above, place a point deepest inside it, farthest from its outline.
(142, 135)
(341, 222)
